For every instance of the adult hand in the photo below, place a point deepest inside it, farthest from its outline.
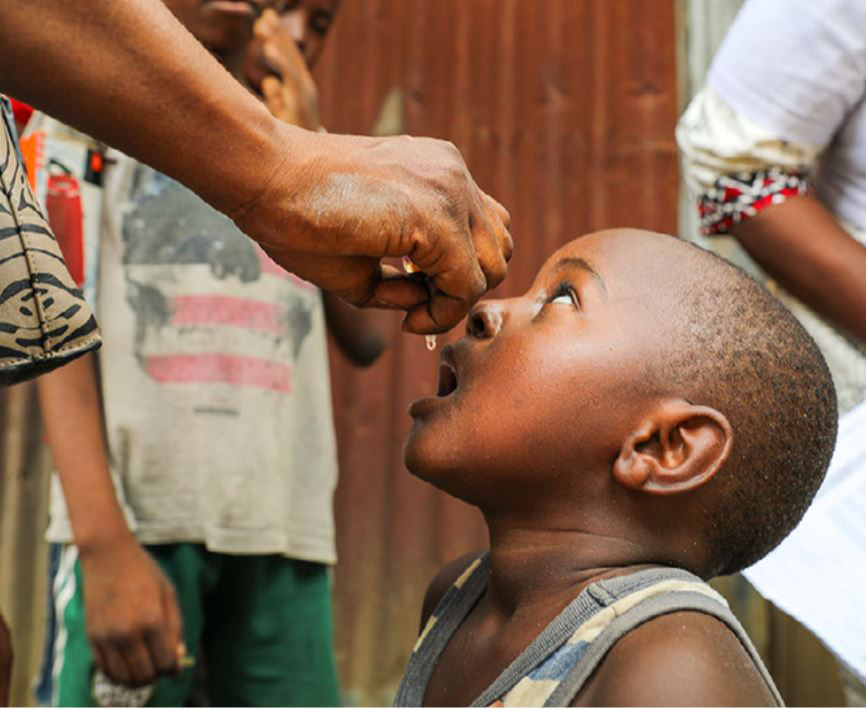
(351, 201)
(277, 70)
(327, 207)
(133, 621)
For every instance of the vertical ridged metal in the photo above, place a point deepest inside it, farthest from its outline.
(564, 110)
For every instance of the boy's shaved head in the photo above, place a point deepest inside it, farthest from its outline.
(740, 350)
(643, 390)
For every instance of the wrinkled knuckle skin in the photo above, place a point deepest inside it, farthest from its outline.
(150, 627)
(118, 639)
(478, 287)
(497, 275)
(508, 246)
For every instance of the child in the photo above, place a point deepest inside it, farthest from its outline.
(646, 416)
(216, 406)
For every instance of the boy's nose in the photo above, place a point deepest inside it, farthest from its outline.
(484, 320)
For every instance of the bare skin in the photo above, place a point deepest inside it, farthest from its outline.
(642, 669)
(326, 207)
(599, 485)
(133, 620)
(277, 66)
(802, 246)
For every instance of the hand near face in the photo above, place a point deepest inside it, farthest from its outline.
(133, 620)
(291, 95)
(357, 200)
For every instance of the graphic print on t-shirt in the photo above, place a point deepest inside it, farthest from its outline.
(210, 305)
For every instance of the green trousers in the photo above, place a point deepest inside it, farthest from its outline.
(262, 623)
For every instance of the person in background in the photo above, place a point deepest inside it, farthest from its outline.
(774, 149)
(198, 461)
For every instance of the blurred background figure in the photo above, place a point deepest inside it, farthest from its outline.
(774, 150)
(203, 516)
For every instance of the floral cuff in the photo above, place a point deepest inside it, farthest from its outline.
(739, 196)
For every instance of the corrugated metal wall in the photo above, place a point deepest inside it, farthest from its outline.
(564, 110)
(24, 476)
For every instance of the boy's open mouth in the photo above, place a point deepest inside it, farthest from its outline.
(447, 379)
(448, 384)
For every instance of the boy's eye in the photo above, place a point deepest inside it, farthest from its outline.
(565, 295)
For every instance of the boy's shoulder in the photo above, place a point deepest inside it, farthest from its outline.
(684, 658)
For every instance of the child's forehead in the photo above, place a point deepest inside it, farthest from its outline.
(591, 249)
(630, 253)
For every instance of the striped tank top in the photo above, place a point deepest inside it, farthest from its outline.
(554, 667)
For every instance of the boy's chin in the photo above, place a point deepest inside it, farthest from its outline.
(427, 457)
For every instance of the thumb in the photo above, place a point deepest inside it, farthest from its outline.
(394, 289)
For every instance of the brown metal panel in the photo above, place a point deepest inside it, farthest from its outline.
(24, 478)
(564, 110)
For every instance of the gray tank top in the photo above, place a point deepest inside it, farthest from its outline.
(554, 667)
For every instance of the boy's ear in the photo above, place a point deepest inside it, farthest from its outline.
(679, 447)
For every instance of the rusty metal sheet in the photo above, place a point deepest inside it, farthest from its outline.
(564, 110)
(24, 478)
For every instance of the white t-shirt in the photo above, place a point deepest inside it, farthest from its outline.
(215, 379)
(798, 68)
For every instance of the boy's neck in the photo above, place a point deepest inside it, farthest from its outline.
(535, 568)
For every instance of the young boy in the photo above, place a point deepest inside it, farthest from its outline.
(644, 418)
(216, 408)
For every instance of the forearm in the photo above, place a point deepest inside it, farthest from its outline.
(71, 412)
(130, 74)
(800, 244)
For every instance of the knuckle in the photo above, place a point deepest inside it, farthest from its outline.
(119, 637)
(497, 274)
(150, 627)
(507, 246)
(478, 286)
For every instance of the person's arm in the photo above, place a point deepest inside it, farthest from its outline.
(327, 207)
(133, 620)
(755, 186)
(753, 135)
(801, 245)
